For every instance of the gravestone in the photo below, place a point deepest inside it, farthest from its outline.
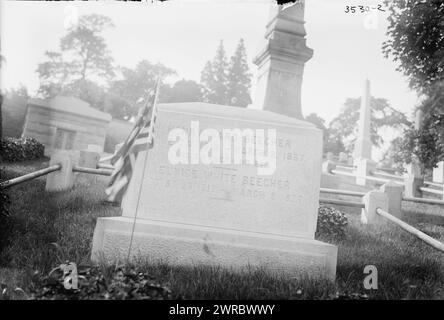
(240, 214)
(222, 214)
(438, 172)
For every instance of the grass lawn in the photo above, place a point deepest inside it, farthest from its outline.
(48, 229)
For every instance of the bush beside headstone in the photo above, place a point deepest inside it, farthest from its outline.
(20, 149)
(331, 222)
(122, 283)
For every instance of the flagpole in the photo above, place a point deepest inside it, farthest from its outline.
(143, 172)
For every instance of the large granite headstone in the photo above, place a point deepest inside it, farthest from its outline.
(239, 214)
(222, 214)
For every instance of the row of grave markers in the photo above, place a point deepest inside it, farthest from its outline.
(364, 168)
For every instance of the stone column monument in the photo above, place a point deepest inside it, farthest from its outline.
(414, 178)
(281, 61)
(363, 146)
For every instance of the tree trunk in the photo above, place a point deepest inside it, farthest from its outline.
(1, 118)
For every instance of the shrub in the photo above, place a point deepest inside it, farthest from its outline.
(13, 149)
(116, 283)
(331, 222)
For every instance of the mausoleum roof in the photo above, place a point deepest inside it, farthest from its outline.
(71, 105)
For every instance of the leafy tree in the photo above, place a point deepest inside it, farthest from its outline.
(344, 127)
(392, 156)
(320, 124)
(239, 79)
(83, 64)
(416, 42)
(182, 91)
(224, 82)
(123, 100)
(214, 78)
(426, 144)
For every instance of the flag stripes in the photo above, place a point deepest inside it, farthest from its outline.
(140, 139)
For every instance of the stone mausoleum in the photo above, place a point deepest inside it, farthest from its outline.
(66, 123)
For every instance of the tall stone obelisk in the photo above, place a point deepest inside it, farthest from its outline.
(363, 146)
(281, 61)
(414, 178)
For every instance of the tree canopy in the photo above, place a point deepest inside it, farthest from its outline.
(416, 42)
(239, 78)
(344, 127)
(181, 91)
(82, 66)
(123, 99)
(227, 82)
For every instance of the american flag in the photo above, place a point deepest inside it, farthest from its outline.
(140, 139)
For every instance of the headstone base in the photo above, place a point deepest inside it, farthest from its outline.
(181, 244)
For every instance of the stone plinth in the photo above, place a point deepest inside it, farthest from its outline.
(225, 214)
(192, 245)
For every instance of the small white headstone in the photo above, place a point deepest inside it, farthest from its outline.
(438, 172)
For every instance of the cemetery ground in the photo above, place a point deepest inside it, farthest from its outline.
(49, 229)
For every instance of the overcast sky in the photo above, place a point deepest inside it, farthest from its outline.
(183, 35)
